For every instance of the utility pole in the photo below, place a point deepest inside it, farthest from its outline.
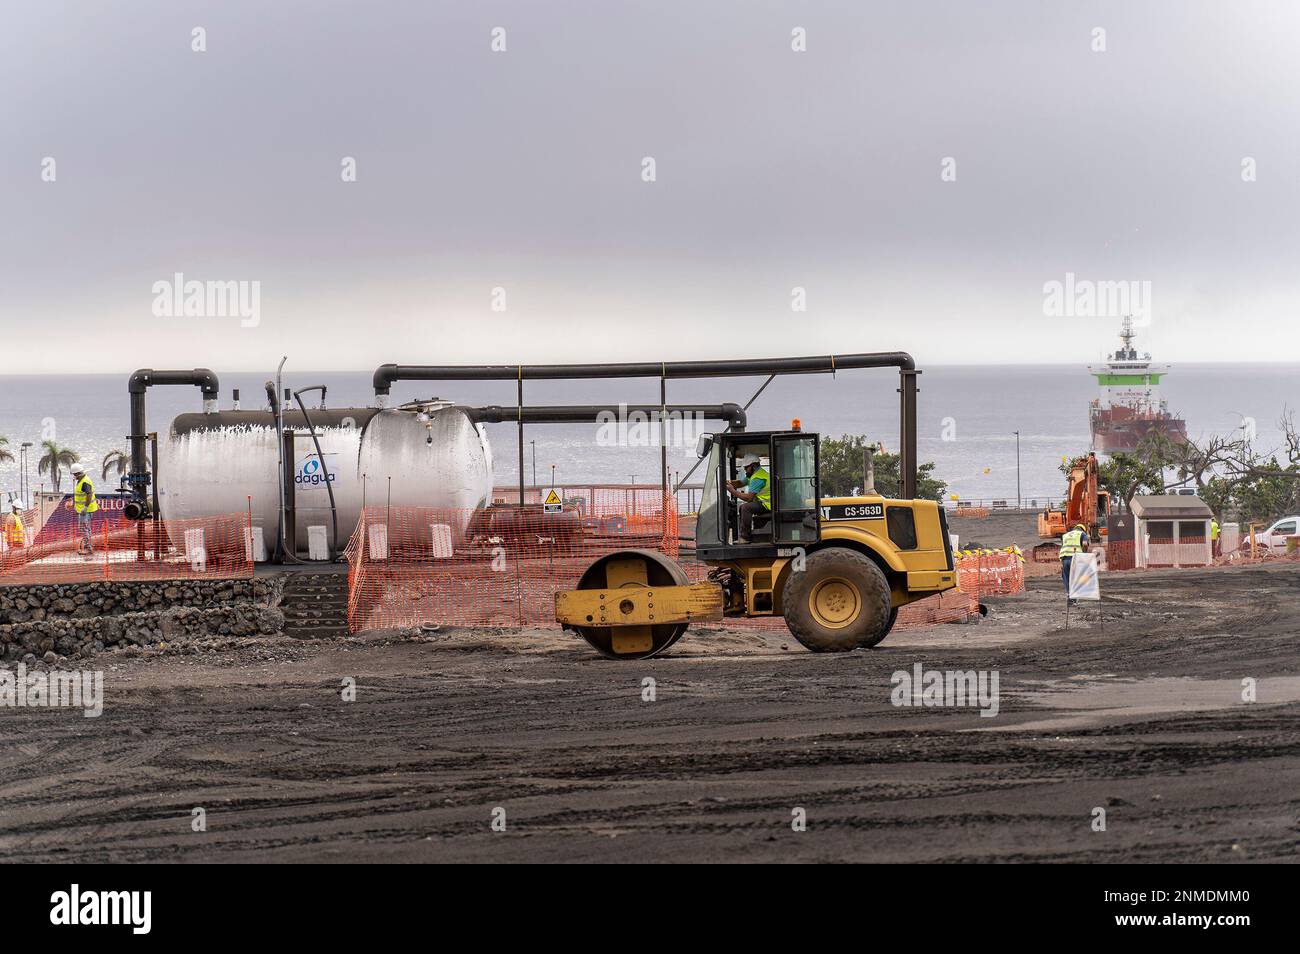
(25, 485)
(1019, 502)
(534, 446)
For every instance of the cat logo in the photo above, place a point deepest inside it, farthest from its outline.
(553, 503)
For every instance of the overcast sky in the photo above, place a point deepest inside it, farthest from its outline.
(523, 170)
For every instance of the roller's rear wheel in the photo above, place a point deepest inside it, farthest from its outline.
(632, 568)
(839, 601)
(879, 637)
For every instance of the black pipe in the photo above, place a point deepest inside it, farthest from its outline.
(273, 400)
(733, 414)
(137, 478)
(907, 431)
(386, 374)
(320, 456)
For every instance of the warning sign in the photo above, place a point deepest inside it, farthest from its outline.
(554, 502)
(1084, 584)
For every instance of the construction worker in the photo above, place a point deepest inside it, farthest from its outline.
(1214, 536)
(1072, 542)
(756, 497)
(85, 503)
(15, 532)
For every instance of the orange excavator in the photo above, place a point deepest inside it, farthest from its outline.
(1084, 503)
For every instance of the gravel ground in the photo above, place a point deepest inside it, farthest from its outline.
(1136, 709)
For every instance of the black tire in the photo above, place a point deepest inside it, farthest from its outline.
(879, 638)
(838, 602)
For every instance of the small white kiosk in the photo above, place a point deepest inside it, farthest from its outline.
(1171, 530)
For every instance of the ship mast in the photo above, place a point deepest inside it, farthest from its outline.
(1127, 353)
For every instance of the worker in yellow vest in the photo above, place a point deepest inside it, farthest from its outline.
(1214, 536)
(85, 503)
(15, 532)
(1072, 542)
(755, 497)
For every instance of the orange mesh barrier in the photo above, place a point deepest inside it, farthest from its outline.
(591, 500)
(1120, 555)
(217, 547)
(971, 512)
(947, 607)
(496, 567)
(992, 573)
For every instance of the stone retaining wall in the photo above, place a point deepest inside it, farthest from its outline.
(52, 623)
(22, 604)
(52, 641)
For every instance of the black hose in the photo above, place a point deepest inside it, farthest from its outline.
(329, 486)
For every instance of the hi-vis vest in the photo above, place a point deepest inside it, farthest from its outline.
(764, 495)
(1071, 543)
(15, 535)
(83, 498)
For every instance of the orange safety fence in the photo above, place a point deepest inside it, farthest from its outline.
(501, 566)
(949, 606)
(1120, 555)
(991, 574)
(970, 512)
(591, 500)
(217, 547)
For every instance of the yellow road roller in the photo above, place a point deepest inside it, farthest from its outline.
(837, 569)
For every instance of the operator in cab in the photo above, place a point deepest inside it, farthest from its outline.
(754, 493)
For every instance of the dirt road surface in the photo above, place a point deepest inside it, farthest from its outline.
(1142, 716)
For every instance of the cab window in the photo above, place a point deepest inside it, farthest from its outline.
(901, 525)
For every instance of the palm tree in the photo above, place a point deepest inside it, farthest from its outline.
(54, 460)
(6, 455)
(115, 459)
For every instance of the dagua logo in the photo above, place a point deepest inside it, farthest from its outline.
(311, 472)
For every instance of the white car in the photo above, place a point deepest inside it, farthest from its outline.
(1274, 538)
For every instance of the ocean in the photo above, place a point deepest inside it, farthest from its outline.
(967, 416)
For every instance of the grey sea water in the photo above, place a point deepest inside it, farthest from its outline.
(978, 408)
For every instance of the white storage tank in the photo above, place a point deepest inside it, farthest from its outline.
(211, 463)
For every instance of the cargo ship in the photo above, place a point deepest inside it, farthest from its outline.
(1129, 406)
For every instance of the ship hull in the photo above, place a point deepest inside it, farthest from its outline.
(1122, 434)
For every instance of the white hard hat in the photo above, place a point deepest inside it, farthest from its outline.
(78, 469)
(747, 459)
(16, 504)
